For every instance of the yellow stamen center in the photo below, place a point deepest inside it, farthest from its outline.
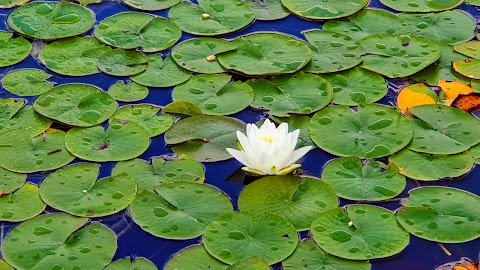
(267, 139)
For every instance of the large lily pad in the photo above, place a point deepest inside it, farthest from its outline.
(75, 190)
(299, 200)
(267, 236)
(27, 82)
(372, 181)
(376, 131)
(468, 68)
(421, 5)
(194, 255)
(121, 141)
(129, 92)
(266, 54)
(398, 56)
(59, 240)
(161, 73)
(146, 116)
(361, 232)
(441, 214)
(426, 167)
(214, 95)
(21, 205)
(76, 56)
(212, 17)
(312, 9)
(132, 30)
(181, 210)
(204, 137)
(122, 62)
(300, 93)
(28, 121)
(80, 105)
(10, 181)
(24, 154)
(13, 50)
(51, 20)
(150, 4)
(295, 122)
(126, 264)
(268, 10)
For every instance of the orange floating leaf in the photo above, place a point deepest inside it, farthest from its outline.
(415, 95)
(451, 90)
(467, 103)
(463, 264)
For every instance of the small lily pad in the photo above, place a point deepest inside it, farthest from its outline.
(194, 255)
(122, 62)
(268, 10)
(80, 105)
(468, 68)
(27, 82)
(376, 131)
(295, 122)
(51, 20)
(426, 167)
(214, 95)
(361, 232)
(28, 121)
(204, 137)
(182, 109)
(121, 141)
(309, 256)
(76, 56)
(181, 210)
(161, 73)
(253, 263)
(152, 5)
(299, 200)
(129, 92)
(147, 116)
(300, 93)
(470, 49)
(312, 9)
(13, 50)
(21, 205)
(266, 54)
(59, 239)
(9, 107)
(130, 30)
(267, 236)
(371, 181)
(421, 5)
(441, 214)
(10, 181)
(126, 264)
(199, 55)
(212, 17)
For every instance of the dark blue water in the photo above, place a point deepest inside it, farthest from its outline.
(134, 242)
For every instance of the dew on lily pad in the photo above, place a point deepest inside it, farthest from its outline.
(122, 62)
(194, 255)
(470, 49)
(27, 82)
(468, 68)
(26, 119)
(23, 204)
(475, 151)
(329, 9)
(421, 5)
(147, 116)
(10, 181)
(126, 264)
(268, 10)
(13, 50)
(162, 73)
(129, 92)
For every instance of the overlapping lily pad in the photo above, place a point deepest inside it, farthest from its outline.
(129, 92)
(10, 4)
(254, 263)
(421, 5)
(312, 9)
(375, 131)
(441, 214)
(21, 205)
(132, 30)
(13, 50)
(475, 151)
(126, 264)
(470, 49)
(59, 239)
(212, 17)
(182, 109)
(181, 210)
(27, 120)
(268, 10)
(51, 20)
(122, 62)
(147, 116)
(10, 181)
(194, 255)
(5, 266)
(150, 4)
(266, 54)
(295, 122)
(80, 105)
(468, 68)
(161, 73)
(27, 82)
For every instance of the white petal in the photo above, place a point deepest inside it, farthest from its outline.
(238, 156)
(297, 154)
(295, 135)
(283, 129)
(243, 140)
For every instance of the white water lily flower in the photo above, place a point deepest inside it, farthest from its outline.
(268, 149)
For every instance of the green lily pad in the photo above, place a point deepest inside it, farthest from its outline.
(214, 95)
(300, 93)
(398, 56)
(10, 4)
(475, 151)
(443, 130)
(152, 5)
(130, 30)
(332, 52)
(299, 200)
(147, 116)
(426, 167)
(194, 255)
(473, 2)
(162, 74)
(23, 154)
(266, 54)
(27, 82)
(267, 236)
(356, 86)
(199, 55)
(28, 121)
(59, 239)
(129, 92)
(268, 10)
(376, 131)
(88, 2)
(21, 205)
(10, 181)
(468, 68)
(449, 27)
(181, 210)
(160, 171)
(309, 256)
(253, 263)
(204, 137)
(470, 49)
(371, 181)
(421, 5)
(365, 23)
(312, 9)
(361, 232)
(76, 56)
(75, 190)
(80, 105)
(212, 17)
(51, 20)
(441, 214)
(5, 266)
(121, 141)
(122, 62)
(295, 122)
(182, 109)
(13, 50)
(9, 107)
(126, 264)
